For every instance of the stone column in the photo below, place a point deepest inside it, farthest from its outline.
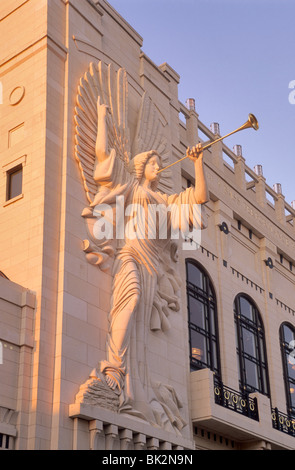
(216, 149)
(95, 429)
(240, 167)
(192, 123)
(111, 432)
(139, 441)
(125, 438)
(152, 443)
(280, 208)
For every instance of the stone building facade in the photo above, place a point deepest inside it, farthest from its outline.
(228, 353)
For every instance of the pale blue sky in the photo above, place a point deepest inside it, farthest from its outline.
(234, 57)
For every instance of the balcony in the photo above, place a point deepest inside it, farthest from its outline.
(246, 419)
(283, 422)
(235, 401)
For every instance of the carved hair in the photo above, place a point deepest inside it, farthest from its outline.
(138, 163)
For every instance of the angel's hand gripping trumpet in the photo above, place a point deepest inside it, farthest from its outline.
(251, 122)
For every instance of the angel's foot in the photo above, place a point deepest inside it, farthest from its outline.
(111, 381)
(113, 376)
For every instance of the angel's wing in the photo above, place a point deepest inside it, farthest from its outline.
(111, 86)
(150, 136)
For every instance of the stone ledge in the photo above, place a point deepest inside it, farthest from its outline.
(89, 413)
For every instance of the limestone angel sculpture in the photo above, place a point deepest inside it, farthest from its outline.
(112, 169)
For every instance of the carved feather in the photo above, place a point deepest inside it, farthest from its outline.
(111, 86)
(150, 135)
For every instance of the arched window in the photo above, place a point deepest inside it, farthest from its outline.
(202, 319)
(251, 350)
(287, 339)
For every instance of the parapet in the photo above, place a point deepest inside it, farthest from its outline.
(230, 166)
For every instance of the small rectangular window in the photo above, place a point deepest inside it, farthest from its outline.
(14, 182)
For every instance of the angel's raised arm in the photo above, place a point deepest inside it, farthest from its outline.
(101, 147)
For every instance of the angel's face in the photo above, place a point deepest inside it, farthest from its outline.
(151, 168)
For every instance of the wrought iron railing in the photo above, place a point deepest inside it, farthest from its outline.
(235, 401)
(242, 403)
(283, 422)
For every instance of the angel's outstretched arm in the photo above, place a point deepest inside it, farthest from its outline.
(201, 187)
(101, 147)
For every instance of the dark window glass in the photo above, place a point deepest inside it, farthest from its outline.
(195, 276)
(287, 340)
(202, 319)
(15, 182)
(251, 351)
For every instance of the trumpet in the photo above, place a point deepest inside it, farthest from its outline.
(251, 122)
